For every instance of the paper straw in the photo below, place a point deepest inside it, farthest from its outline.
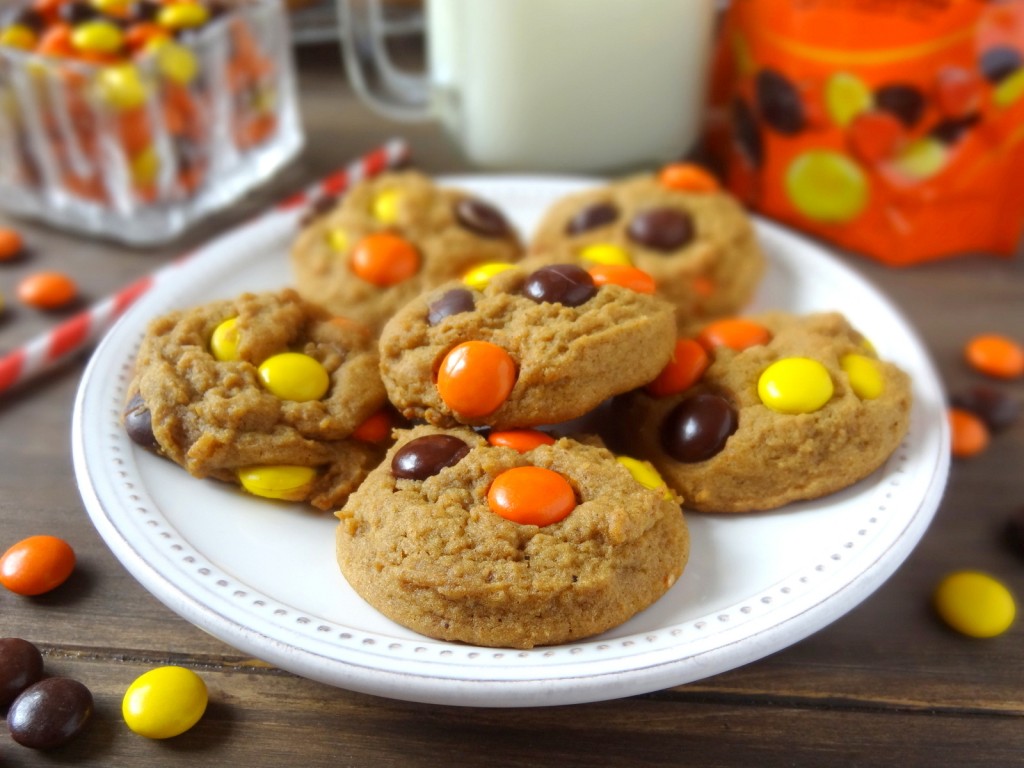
(83, 329)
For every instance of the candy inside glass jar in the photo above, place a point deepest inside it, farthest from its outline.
(132, 119)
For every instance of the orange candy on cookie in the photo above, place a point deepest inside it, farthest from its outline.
(385, 259)
(688, 363)
(688, 177)
(476, 378)
(521, 440)
(619, 274)
(531, 496)
(736, 333)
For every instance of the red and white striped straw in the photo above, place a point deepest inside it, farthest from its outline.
(85, 328)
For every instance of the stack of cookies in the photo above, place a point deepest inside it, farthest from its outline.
(506, 429)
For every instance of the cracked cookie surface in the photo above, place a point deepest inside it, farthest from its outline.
(426, 549)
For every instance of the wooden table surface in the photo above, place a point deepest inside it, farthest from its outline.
(885, 684)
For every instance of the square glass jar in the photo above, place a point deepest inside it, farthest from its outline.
(136, 137)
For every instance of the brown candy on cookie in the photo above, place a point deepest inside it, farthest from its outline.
(267, 391)
(529, 347)
(516, 541)
(781, 408)
(391, 237)
(691, 236)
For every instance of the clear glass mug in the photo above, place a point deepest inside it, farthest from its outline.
(546, 85)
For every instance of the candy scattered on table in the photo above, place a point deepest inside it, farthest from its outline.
(968, 434)
(975, 604)
(21, 665)
(995, 355)
(49, 713)
(36, 565)
(47, 290)
(11, 244)
(998, 409)
(164, 702)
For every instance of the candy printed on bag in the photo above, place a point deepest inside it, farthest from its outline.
(893, 129)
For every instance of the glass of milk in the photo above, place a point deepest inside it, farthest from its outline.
(586, 86)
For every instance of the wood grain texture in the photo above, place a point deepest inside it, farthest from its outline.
(886, 684)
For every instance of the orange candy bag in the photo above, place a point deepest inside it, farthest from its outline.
(890, 128)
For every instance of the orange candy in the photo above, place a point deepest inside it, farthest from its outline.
(375, 429)
(995, 355)
(968, 434)
(521, 440)
(56, 41)
(10, 244)
(531, 496)
(475, 378)
(688, 177)
(688, 363)
(36, 565)
(385, 259)
(619, 274)
(734, 332)
(47, 290)
(876, 136)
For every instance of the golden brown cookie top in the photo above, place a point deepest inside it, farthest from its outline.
(782, 407)
(256, 381)
(529, 348)
(391, 237)
(450, 522)
(697, 241)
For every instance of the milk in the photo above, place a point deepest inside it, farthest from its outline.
(570, 85)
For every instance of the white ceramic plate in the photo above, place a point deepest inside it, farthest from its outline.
(262, 576)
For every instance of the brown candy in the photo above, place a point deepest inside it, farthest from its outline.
(999, 62)
(481, 218)
(565, 284)
(778, 102)
(453, 302)
(995, 407)
(662, 229)
(138, 423)
(426, 456)
(593, 216)
(698, 427)
(21, 664)
(49, 713)
(905, 102)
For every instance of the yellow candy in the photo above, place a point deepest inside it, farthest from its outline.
(182, 15)
(1009, 89)
(846, 96)
(145, 166)
(386, 206)
(975, 604)
(922, 158)
(224, 341)
(479, 277)
(795, 385)
(164, 702)
(865, 376)
(645, 474)
(606, 253)
(338, 240)
(97, 37)
(176, 62)
(826, 186)
(18, 36)
(282, 481)
(121, 87)
(294, 376)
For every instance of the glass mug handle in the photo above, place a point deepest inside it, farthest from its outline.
(397, 95)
